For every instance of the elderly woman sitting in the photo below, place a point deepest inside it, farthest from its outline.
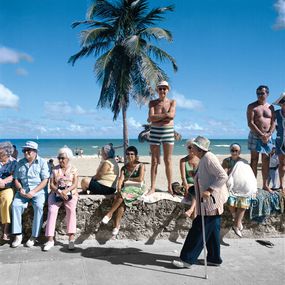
(105, 180)
(7, 168)
(63, 185)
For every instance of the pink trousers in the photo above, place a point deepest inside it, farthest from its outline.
(70, 218)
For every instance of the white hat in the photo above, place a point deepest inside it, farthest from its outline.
(202, 143)
(31, 145)
(163, 83)
(281, 97)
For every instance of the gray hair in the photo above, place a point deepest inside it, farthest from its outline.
(67, 151)
(109, 150)
(7, 147)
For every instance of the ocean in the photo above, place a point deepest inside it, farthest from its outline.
(49, 147)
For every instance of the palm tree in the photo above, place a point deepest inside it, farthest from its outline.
(119, 36)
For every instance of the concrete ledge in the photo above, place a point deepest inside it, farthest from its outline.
(161, 220)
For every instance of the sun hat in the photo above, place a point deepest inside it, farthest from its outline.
(280, 100)
(31, 145)
(163, 83)
(202, 143)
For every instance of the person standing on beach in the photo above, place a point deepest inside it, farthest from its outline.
(260, 118)
(161, 115)
(31, 178)
(280, 139)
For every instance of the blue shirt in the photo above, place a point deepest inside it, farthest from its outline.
(30, 176)
(8, 169)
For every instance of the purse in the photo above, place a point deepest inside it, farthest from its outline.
(59, 199)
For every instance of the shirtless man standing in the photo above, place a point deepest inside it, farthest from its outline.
(260, 118)
(161, 115)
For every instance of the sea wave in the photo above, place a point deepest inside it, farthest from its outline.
(222, 145)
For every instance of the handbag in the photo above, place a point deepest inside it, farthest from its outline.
(59, 199)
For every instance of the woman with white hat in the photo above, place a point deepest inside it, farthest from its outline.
(211, 191)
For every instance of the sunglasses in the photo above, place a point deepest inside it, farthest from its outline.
(234, 150)
(261, 93)
(130, 153)
(28, 150)
(162, 88)
(189, 147)
(61, 158)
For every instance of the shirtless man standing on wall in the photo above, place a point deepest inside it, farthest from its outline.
(260, 118)
(161, 115)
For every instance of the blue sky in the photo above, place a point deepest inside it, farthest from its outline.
(224, 49)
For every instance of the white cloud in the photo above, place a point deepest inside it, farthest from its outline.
(133, 123)
(21, 72)
(183, 102)
(8, 55)
(280, 8)
(7, 98)
(188, 127)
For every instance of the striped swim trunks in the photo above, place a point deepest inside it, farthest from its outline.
(164, 134)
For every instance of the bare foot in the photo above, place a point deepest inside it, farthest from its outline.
(266, 188)
(151, 191)
(188, 214)
(170, 191)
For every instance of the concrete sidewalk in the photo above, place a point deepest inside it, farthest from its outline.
(134, 262)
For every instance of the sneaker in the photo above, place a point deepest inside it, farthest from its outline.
(237, 231)
(17, 241)
(48, 245)
(106, 220)
(209, 263)
(181, 264)
(71, 245)
(115, 231)
(31, 242)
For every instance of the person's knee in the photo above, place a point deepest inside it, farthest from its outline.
(85, 183)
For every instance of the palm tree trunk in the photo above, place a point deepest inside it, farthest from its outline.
(125, 132)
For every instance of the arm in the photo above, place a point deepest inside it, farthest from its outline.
(172, 110)
(38, 188)
(73, 186)
(121, 180)
(19, 188)
(272, 123)
(154, 118)
(183, 174)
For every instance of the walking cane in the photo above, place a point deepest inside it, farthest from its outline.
(204, 237)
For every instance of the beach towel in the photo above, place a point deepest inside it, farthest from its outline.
(241, 181)
(157, 196)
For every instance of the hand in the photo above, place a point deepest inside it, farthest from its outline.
(22, 192)
(64, 196)
(265, 138)
(206, 194)
(2, 184)
(30, 195)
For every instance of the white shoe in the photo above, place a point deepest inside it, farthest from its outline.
(71, 245)
(31, 242)
(115, 231)
(181, 264)
(48, 245)
(17, 241)
(237, 231)
(106, 220)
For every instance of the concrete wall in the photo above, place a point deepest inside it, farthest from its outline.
(162, 220)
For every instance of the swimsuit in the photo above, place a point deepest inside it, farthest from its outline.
(163, 134)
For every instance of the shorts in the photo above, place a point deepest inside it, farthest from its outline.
(98, 189)
(164, 134)
(256, 144)
(239, 202)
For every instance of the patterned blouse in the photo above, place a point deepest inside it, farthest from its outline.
(8, 169)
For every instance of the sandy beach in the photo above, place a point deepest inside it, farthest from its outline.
(87, 166)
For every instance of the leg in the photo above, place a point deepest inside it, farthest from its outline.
(167, 156)
(265, 171)
(120, 213)
(85, 184)
(213, 240)
(117, 203)
(38, 202)
(18, 206)
(6, 198)
(70, 208)
(155, 156)
(233, 211)
(281, 170)
(254, 155)
(53, 208)
(239, 217)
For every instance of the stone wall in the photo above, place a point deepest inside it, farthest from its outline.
(161, 220)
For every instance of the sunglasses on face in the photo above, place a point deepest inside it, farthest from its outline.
(261, 93)
(162, 88)
(189, 147)
(234, 150)
(130, 153)
(28, 150)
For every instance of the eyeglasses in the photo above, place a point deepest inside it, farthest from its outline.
(234, 150)
(28, 150)
(130, 153)
(61, 158)
(162, 88)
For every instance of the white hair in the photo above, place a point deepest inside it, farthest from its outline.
(67, 151)
(7, 147)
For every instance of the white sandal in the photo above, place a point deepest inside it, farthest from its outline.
(115, 231)
(106, 220)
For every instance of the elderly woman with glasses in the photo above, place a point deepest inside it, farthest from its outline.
(130, 188)
(188, 168)
(105, 180)
(241, 184)
(7, 168)
(63, 185)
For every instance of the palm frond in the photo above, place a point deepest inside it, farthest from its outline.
(94, 36)
(91, 23)
(156, 33)
(102, 9)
